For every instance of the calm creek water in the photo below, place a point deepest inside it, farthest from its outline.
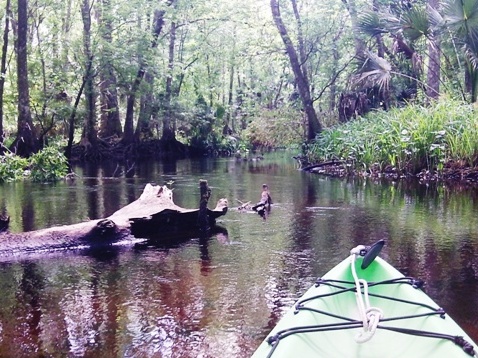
(221, 297)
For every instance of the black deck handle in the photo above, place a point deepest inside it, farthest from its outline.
(371, 252)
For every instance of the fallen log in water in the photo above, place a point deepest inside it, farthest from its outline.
(152, 214)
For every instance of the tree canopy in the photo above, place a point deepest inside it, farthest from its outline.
(154, 77)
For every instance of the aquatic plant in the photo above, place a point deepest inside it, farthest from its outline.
(407, 139)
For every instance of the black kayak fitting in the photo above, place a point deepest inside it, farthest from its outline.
(369, 253)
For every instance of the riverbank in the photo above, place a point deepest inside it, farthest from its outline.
(434, 143)
(452, 174)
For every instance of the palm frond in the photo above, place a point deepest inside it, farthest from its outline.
(471, 56)
(371, 24)
(374, 70)
(461, 17)
(415, 24)
(412, 24)
(435, 18)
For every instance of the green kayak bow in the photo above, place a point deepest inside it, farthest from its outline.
(365, 308)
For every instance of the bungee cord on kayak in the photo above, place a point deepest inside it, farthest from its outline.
(370, 318)
(369, 315)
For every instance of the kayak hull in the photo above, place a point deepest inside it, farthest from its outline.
(330, 322)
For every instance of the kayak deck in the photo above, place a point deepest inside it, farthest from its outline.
(326, 321)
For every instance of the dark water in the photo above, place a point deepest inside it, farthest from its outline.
(220, 298)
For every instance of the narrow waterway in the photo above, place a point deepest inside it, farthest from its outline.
(219, 297)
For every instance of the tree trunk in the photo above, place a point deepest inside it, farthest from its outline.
(143, 127)
(352, 10)
(314, 126)
(378, 37)
(434, 52)
(89, 135)
(228, 126)
(300, 40)
(333, 85)
(25, 142)
(110, 123)
(66, 31)
(71, 121)
(168, 125)
(128, 135)
(229, 121)
(3, 68)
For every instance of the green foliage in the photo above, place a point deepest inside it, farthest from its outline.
(45, 166)
(12, 167)
(48, 165)
(275, 128)
(229, 67)
(408, 139)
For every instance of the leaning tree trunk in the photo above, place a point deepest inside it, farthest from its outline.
(300, 40)
(128, 132)
(71, 120)
(314, 126)
(25, 142)
(158, 23)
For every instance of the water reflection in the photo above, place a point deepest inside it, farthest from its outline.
(219, 295)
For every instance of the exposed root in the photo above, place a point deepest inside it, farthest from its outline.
(452, 173)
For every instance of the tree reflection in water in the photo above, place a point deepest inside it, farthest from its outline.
(220, 295)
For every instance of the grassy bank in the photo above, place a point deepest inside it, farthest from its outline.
(404, 140)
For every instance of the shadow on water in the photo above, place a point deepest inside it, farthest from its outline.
(175, 241)
(219, 295)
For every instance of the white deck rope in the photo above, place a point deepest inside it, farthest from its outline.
(370, 316)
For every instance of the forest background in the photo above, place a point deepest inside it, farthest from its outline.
(381, 85)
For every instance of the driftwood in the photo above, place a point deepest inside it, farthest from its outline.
(244, 206)
(262, 207)
(323, 164)
(155, 205)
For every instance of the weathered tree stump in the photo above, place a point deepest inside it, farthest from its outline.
(203, 218)
(265, 201)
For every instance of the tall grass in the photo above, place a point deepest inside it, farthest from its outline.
(406, 139)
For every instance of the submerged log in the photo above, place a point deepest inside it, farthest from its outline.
(154, 212)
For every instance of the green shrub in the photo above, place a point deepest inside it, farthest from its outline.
(48, 165)
(12, 167)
